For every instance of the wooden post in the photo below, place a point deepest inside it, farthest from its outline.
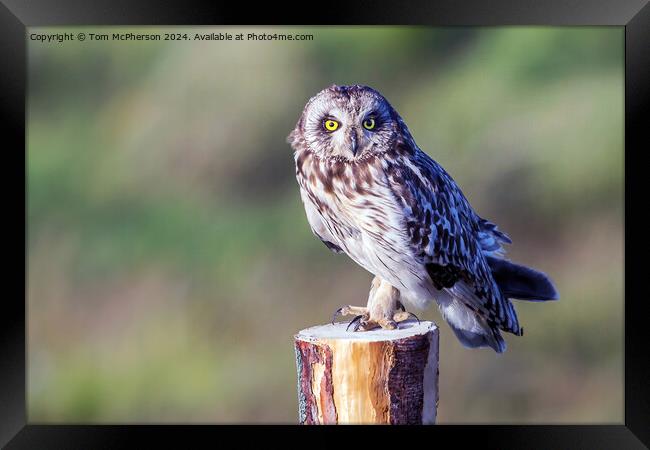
(378, 376)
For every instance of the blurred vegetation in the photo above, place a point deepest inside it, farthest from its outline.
(170, 260)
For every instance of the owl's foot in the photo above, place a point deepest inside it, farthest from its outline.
(367, 325)
(359, 312)
(402, 316)
(386, 324)
(349, 310)
(384, 309)
(363, 322)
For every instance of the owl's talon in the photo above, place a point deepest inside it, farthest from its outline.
(416, 317)
(400, 306)
(336, 314)
(356, 321)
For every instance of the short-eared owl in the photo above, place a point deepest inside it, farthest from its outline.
(370, 192)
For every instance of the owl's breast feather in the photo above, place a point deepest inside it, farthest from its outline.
(357, 205)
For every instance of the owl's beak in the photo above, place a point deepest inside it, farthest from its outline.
(353, 143)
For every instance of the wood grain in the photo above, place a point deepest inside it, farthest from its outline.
(373, 377)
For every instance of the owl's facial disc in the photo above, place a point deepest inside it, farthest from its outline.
(349, 123)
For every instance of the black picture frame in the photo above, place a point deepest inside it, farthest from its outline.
(633, 15)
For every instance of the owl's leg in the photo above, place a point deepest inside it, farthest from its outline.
(382, 304)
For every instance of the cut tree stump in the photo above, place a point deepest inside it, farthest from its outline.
(378, 376)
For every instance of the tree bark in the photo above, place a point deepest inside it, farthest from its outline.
(378, 376)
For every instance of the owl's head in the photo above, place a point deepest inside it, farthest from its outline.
(346, 123)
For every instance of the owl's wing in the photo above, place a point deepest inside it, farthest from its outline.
(317, 224)
(450, 239)
(490, 238)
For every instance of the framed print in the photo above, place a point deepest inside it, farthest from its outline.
(200, 195)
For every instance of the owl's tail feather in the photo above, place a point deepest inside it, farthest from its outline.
(521, 282)
(470, 328)
(487, 337)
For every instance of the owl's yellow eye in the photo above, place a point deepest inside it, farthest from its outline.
(331, 125)
(369, 123)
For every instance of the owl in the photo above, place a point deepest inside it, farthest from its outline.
(371, 193)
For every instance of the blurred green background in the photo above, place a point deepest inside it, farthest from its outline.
(170, 260)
